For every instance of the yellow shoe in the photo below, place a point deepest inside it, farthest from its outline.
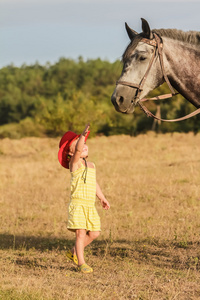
(72, 257)
(85, 269)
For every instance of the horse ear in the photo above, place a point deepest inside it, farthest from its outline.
(146, 29)
(131, 33)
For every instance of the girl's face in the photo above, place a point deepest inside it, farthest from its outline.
(84, 153)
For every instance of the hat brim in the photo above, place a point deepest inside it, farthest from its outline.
(64, 151)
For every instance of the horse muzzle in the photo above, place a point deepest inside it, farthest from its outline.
(124, 103)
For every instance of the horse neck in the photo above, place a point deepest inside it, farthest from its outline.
(182, 64)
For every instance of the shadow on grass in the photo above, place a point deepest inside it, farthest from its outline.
(9, 241)
(168, 254)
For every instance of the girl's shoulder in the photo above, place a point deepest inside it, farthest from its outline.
(79, 165)
(91, 165)
(75, 167)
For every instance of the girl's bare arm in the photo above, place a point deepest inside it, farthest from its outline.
(80, 145)
(100, 195)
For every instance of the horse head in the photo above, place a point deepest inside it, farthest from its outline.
(141, 70)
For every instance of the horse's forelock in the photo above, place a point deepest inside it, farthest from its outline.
(133, 44)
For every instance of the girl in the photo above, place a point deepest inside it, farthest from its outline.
(83, 218)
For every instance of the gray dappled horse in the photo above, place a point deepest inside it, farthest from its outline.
(155, 56)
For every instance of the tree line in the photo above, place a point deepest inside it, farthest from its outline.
(48, 100)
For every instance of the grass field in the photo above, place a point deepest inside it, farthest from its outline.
(149, 247)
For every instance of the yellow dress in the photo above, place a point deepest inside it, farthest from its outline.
(82, 213)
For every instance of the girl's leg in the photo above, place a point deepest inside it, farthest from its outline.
(80, 245)
(89, 237)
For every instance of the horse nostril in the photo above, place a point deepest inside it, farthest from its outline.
(121, 100)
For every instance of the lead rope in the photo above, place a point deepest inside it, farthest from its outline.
(84, 175)
(149, 114)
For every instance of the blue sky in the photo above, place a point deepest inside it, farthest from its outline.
(45, 30)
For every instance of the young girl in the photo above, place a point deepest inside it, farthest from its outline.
(83, 218)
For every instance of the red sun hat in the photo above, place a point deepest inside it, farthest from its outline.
(64, 145)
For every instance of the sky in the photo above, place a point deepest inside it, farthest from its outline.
(46, 30)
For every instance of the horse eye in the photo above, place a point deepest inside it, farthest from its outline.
(126, 65)
(142, 57)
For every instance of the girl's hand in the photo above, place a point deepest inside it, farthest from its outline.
(105, 204)
(85, 131)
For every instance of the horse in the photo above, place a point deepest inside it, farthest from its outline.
(154, 57)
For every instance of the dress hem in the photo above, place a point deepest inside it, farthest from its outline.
(74, 229)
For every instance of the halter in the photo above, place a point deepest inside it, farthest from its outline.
(158, 45)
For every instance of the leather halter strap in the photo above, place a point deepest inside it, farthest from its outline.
(156, 42)
(139, 86)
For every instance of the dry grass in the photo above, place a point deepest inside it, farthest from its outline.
(149, 246)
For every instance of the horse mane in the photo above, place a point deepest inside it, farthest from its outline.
(191, 37)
